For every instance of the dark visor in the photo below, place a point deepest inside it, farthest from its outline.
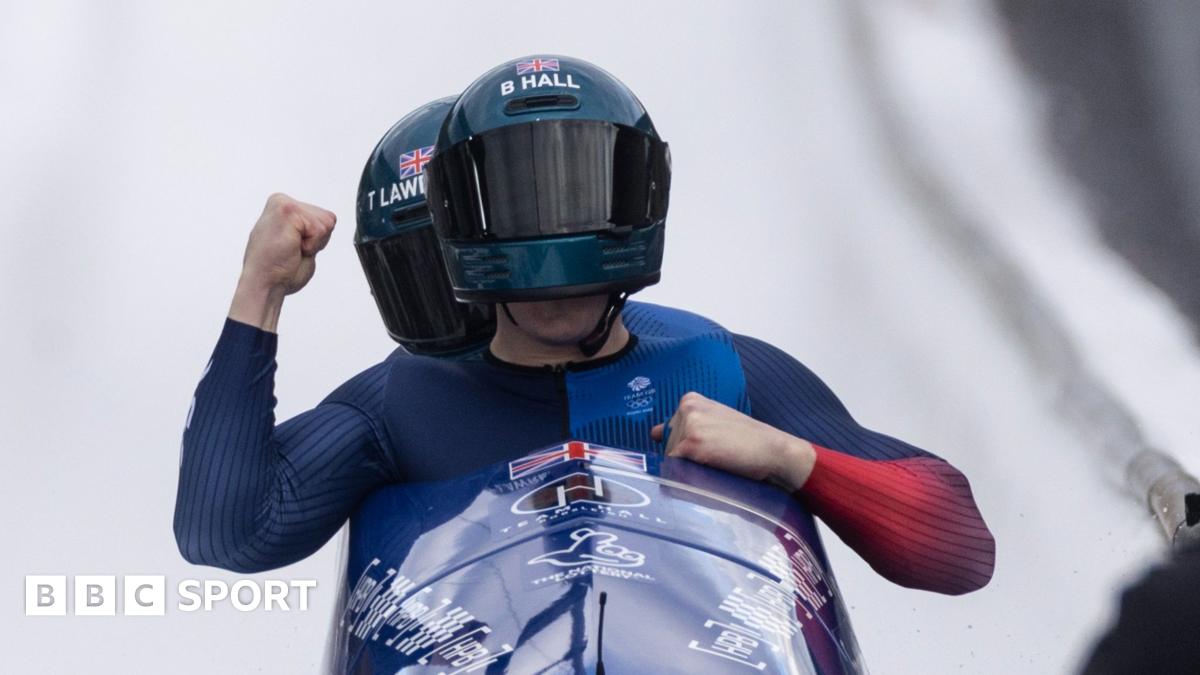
(547, 178)
(409, 283)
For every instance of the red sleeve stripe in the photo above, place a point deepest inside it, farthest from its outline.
(953, 521)
(913, 520)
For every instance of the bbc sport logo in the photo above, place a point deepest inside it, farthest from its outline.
(146, 595)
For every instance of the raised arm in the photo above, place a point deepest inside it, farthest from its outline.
(253, 496)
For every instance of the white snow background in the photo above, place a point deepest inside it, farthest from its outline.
(139, 140)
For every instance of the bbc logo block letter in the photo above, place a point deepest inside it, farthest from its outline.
(95, 595)
(145, 595)
(45, 595)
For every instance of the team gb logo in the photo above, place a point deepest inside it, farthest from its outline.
(639, 383)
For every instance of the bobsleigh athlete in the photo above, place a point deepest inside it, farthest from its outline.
(548, 190)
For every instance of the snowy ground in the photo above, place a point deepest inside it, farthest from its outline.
(137, 144)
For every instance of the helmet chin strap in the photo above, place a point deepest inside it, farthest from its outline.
(594, 340)
(599, 335)
(508, 313)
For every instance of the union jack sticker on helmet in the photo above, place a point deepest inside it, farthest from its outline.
(537, 66)
(413, 162)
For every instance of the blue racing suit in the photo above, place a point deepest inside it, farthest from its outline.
(254, 495)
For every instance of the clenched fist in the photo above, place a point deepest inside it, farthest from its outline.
(712, 433)
(280, 258)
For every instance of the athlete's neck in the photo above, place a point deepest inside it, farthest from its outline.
(515, 345)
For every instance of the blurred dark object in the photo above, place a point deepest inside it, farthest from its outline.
(1158, 624)
(1122, 80)
(1172, 494)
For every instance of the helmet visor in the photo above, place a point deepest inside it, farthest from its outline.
(408, 279)
(547, 178)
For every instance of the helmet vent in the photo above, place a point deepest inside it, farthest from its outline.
(477, 259)
(541, 103)
(623, 256)
(410, 214)
(483, 265)
(486, 273)
(611, 265)
(638, 248)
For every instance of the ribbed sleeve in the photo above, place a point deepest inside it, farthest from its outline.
(913, 520)
(909, 514)
(253, 496)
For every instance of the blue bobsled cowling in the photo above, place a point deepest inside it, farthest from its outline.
(585, 559)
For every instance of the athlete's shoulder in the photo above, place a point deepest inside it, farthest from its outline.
(768, 367)
(410, 378)
(366, 389)
(648, 320)
(658, 323)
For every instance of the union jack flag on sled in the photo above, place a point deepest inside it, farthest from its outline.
(537, 66)
(573, 450)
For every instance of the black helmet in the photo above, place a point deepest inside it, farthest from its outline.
(399, 250)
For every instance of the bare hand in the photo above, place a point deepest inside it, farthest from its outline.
(281, 257)
(709, 432)
(284, 243)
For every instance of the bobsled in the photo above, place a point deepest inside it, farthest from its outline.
(582, 558)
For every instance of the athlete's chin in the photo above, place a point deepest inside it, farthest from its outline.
(559, 322)
(560, 334)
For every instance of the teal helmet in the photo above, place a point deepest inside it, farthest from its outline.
(399, 250)
(549, 181)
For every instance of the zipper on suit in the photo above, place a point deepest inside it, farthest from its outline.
(560, 385)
